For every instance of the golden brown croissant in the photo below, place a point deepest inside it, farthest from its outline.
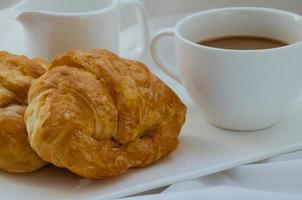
(99, 115)
(16, 75)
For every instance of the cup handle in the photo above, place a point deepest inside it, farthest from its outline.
(142, 19)
(161, 63)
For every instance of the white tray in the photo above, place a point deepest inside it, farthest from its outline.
(203, 149)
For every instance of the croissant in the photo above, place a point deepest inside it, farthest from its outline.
(99, 115)
(16, 75)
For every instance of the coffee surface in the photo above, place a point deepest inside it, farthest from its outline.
(243, 42)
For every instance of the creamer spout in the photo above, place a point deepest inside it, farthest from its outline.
(22, 12)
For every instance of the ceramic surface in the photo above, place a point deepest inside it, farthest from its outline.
(54, 26)
(237, 89)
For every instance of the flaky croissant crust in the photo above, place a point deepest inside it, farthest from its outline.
(99, 115)
(16, 76)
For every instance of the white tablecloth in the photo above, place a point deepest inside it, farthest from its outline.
(277, 178)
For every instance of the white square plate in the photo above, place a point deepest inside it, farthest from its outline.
(203, 150)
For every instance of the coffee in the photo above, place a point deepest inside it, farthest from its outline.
(243, 42)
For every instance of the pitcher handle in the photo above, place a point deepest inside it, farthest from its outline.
(143, 39)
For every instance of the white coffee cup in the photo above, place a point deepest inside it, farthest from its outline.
(237, 89)
(54, 26)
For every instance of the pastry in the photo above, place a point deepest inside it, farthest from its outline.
(99, 115)
(16, 75)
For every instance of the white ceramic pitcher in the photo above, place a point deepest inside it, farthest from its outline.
(53, 26)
